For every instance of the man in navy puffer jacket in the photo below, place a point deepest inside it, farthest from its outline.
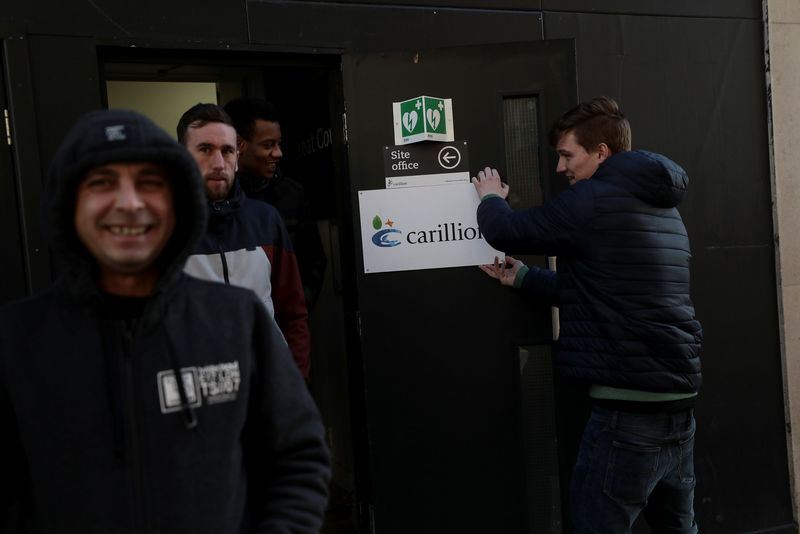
(628, 329)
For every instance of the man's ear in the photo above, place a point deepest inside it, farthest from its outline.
(603, 152)
(240, 142)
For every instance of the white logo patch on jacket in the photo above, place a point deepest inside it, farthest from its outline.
(211, 384)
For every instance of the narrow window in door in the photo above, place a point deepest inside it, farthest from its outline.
(521, 135)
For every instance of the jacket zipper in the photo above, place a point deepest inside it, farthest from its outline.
(224, 265)
(132, 434)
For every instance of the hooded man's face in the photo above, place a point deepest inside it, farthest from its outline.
(124, 215)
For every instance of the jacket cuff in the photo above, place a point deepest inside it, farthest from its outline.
(490, 195)
(521, 276)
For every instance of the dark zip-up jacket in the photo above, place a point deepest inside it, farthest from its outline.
(98, 433)
(289, 198)
(622, 286)
(247, 245)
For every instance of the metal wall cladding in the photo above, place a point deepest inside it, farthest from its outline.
(682, 8)
(180, 22)
(522, 5)
(245, 21)
(693, 89)
(361, 28)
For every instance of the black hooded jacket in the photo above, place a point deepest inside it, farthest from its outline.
(622, 287)
(98, 435)
(289, 198)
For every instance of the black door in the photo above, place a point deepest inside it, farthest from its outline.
(442, 348)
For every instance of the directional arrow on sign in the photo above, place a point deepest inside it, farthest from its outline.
(449, 157)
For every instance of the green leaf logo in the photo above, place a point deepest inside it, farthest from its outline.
(377, 223)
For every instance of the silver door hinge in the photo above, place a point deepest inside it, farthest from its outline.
(8, 127)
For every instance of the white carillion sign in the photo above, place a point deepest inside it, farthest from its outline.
(422, 228)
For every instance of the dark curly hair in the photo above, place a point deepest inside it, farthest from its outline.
(201, 114)
(246, 110)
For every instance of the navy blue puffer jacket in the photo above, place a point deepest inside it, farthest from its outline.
(622, 286)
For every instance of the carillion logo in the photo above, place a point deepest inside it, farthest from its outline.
(385, 237)
(451, 231)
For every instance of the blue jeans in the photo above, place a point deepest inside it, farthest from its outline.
(634, 462)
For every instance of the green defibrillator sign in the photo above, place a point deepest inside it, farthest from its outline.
(424, 118)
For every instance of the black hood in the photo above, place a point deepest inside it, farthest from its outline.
(110, 136)
(651, 177)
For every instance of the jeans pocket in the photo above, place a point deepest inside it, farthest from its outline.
(686, 467)
(630, 472)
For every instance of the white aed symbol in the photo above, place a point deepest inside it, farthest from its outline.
(434, 117)
(410, 120)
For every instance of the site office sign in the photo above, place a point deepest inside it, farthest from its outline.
(414, 228)
(428, 163)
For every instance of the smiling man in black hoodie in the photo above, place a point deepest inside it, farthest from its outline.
(135, 398)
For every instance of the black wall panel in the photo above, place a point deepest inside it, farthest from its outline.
(66, 85)
(382, 28)
(526, 5)
(693, 89)
(683, 8)
(740, 456)
(182, 22)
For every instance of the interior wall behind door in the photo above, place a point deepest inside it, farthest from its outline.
(163, 102)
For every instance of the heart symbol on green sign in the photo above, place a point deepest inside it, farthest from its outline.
(409, 121)
(434, 117)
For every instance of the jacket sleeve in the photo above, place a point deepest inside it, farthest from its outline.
(550, 229)
(288, 298)
(288, 464)
(537, 282)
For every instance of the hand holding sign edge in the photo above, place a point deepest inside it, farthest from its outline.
(488, 183)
